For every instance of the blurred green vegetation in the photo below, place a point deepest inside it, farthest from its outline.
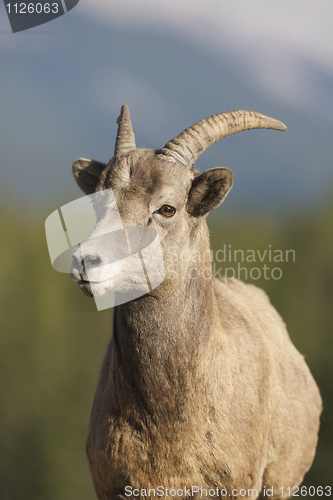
(53, 341)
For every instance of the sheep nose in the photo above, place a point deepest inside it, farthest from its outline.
(82, 264)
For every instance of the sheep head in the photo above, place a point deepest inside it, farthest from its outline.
(157, 189)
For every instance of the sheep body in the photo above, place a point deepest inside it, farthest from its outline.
(201, 385)
(262, 434)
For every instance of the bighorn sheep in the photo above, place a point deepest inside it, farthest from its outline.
(201, 386)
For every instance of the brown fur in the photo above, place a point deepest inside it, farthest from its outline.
(201, 385)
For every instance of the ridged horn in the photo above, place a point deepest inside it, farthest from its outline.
(125, 140)
(190, 144)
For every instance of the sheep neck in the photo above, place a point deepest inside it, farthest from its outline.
(159, 343)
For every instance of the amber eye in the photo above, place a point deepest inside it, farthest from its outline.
(167, 211)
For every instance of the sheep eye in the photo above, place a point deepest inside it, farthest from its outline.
(167, 211)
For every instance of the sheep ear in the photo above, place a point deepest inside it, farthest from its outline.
(209, 190)
(87, 174)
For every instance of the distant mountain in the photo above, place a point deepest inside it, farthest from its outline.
(61, 93)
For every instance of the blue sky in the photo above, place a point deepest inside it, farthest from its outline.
(174, 63)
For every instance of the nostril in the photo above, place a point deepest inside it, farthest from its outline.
(92, 261)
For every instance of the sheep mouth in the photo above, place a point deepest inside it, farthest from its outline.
(85, 287)
(89, 287)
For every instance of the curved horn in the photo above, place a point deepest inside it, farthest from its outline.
(125, 140)
(190, 144)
